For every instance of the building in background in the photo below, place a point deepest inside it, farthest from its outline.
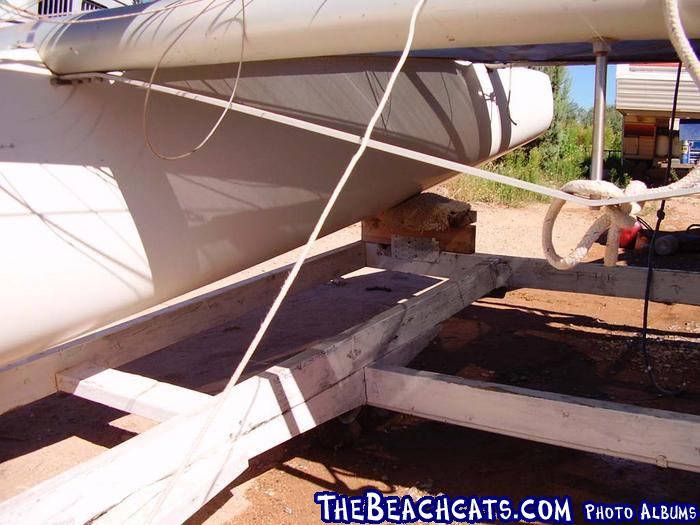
(645, 99)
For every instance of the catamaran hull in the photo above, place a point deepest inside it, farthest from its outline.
(95, 227)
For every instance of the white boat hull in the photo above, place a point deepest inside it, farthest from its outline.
(96, 227)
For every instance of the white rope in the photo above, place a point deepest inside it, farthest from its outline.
(679, 39)
(289, 281)
(224, 111)
(617, 216)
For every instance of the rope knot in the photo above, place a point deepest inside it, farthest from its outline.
(614, 219)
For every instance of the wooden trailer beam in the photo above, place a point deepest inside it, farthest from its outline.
(160, 401)
(668, 286)
(308, 388)
(35, 377)
(216, 467)
(154, 399)
(660, 437)
(131, 393)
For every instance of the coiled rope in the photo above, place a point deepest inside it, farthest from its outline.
(618, 217)
(614, 218)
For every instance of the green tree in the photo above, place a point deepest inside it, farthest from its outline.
(565, 111)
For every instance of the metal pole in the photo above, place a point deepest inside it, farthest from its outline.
(601, 49)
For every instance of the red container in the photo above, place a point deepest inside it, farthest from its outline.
(629, 236)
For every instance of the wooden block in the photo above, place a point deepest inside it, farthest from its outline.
(458, 240)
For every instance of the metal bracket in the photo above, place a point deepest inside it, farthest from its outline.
(423, 249)
(66, 81)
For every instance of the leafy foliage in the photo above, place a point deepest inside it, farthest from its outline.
(561, 154)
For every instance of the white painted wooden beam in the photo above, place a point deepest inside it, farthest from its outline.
(669, 286)
(126, 481)
(218, 467)
(35, 377)
(642, 434)
(160, 401)
(409, 351)
(312, 386)
(129, 392)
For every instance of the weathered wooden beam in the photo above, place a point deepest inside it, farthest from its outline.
(445, 264)
(35, 377)
(669, 286)
(408, 352)
(288, 391)
(160, 401)
(127, 480)
(129, 392)
(218, 467)
(642, 434)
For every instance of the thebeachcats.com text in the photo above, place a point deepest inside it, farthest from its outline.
(374, 507)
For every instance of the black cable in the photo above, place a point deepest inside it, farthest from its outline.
(646, 225)
(660, 215)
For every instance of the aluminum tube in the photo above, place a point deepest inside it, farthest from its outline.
(282, 29)
(601, 75)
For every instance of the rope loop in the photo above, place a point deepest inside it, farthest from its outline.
(614, 218)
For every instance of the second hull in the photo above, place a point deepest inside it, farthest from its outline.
(97, 228)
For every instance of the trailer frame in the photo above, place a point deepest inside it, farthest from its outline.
(364, 365)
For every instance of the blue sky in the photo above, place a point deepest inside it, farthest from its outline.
(582, 78)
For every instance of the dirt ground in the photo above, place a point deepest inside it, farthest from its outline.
(573, 344)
